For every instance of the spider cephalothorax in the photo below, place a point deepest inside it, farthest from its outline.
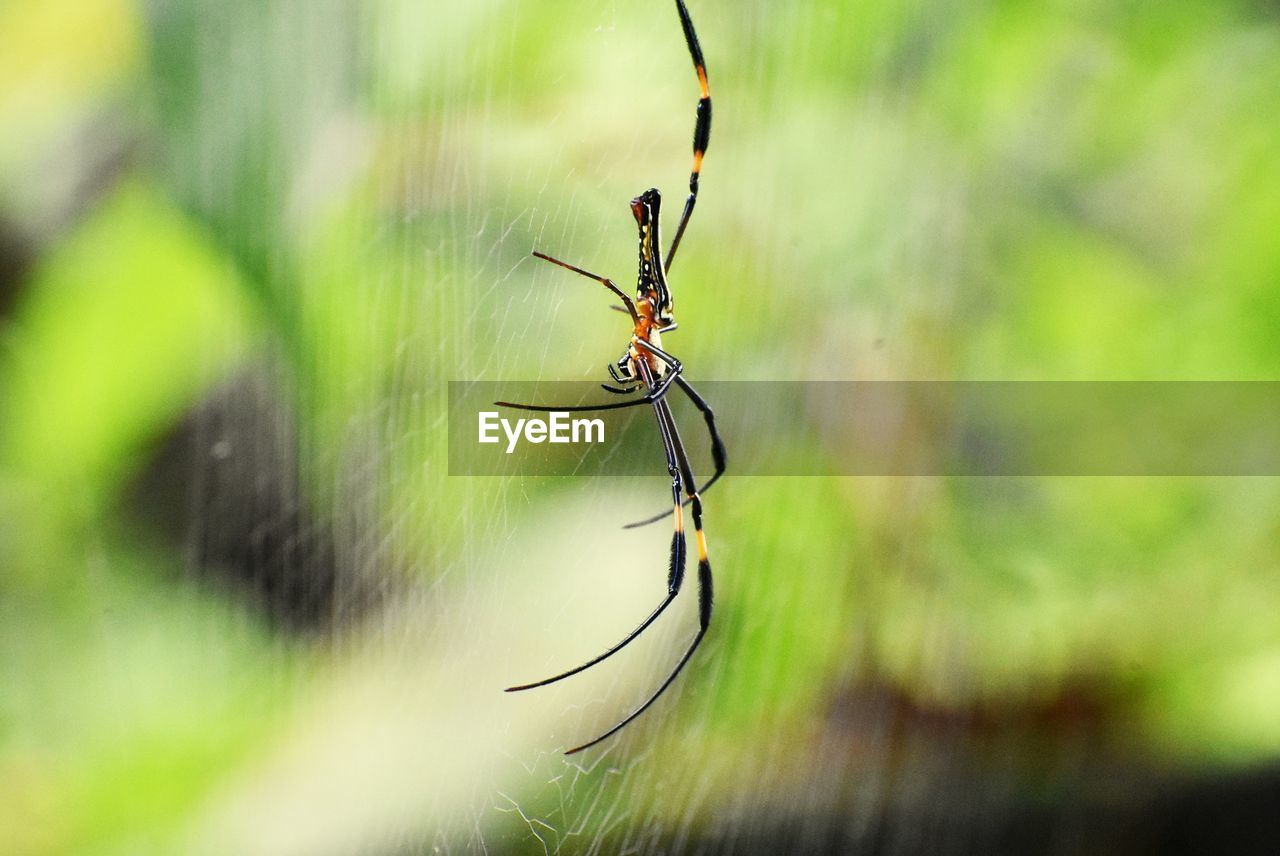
(653, 296)
(651, 279)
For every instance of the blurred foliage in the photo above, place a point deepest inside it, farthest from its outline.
(336, 200)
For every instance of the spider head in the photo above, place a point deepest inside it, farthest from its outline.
(645, 207)
(651, 282)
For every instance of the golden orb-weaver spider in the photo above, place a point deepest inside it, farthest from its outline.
(645, 363)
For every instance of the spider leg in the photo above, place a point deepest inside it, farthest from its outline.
(605, 281)
(675, 574)
(616, 375)
(717, 446)
(718, 456)
(671, 436)
(616, 390)
(672, 363)
(675, 579)
(701, 128)
(628, 384)
(655, 393)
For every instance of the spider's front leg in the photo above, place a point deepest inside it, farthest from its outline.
(603, 280)
(701, 127)
(719, 458)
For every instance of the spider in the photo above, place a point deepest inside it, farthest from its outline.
(645, 364)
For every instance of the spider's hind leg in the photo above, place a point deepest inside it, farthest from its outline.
(681, 473)
(675, 578)
(718, 455)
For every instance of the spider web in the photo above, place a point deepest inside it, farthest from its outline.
(298, 642)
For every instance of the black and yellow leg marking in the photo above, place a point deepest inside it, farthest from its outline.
(701, 127)
(681, 476)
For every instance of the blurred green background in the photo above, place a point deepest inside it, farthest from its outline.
(244, 246)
